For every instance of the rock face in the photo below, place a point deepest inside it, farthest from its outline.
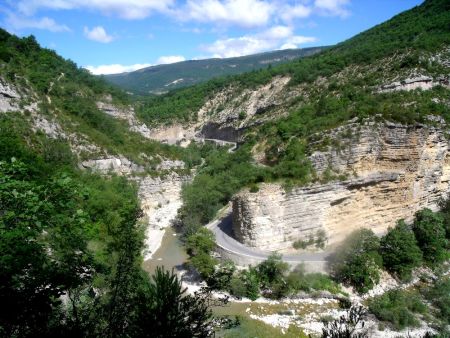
(9, 97)
(160, 200)
(118, 165)
(394, 171)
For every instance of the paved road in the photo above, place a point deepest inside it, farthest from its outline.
(222, 229)
(222, 143)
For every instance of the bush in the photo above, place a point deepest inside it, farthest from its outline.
(272, 270)
(237, 287)
(252, 281)
(357, 261)
(222, 276)
(199, 246)
(298, 280)
(429, 230)
(399, 251)
(201, 242)
(204, 264)
(439, 295)
(397, 307)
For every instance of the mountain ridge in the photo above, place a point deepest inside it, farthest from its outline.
(159, 79)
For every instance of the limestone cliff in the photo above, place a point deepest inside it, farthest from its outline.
(392, 171)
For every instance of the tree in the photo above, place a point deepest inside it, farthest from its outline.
(43, 252)
(272, 270)
(199, 246)
(357, 261)
(429, 230)
(202, 241)
(167, 311)
(399, 251)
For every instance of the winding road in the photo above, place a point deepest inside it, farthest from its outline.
(243, 255)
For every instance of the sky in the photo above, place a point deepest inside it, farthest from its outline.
(113, 36)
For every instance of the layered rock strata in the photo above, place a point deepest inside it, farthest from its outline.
(392, 171)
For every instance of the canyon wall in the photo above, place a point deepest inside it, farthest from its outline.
(392, 171)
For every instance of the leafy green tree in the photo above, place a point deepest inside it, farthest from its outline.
(199, 246)
(399, 250)
(251, 279)
(429, 230)
(272, 270)
(202, 241)
(43, 250)
(357, 261)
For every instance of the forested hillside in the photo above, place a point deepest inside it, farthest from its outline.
(163, 78)
(71, 240)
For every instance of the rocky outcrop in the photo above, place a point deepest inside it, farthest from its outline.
(117, 165)
(9, 97)
(392, 171)
(422, 82)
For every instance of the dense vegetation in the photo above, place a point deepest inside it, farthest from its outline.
(360, 258)
(398, 307)
(162, 78)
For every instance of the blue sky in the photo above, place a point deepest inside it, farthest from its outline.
(110, 36)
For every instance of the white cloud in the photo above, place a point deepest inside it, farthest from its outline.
(248, 13)
(278, 37)
(127, 9)
(115, 68)
(98, 34)
(169, 59)
(18, 22)
(289, 13)
(333, 7)
(118, 68)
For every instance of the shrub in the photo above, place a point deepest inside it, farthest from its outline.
(272, 270)
(347, 326)
(357, 260)
(397, 307)
(399, 251)
(223, 273)
(429, 230)
(201, 242)
(204, 264)
(237, 287)
(439, 295)
(252, 280)
(298, 280)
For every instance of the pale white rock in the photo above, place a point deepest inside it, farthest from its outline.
(9, 97)
(393, 171)
(118, 165)
(422, 82)
(160, 199)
